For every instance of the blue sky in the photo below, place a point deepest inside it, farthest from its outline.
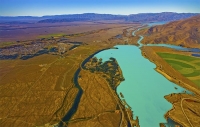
(57, 7)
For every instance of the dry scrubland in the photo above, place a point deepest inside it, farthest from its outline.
(97, 106)
(32, 94)
(40, 91)
(21, 32)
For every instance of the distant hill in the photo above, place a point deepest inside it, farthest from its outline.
(183, 32)
(155, 17)
(20, 18)
(142, 17)
(82, 17)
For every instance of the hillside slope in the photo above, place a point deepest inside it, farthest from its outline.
(183, 32)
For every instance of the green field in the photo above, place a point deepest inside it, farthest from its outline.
(198, 64)
(188, 66)
(177, 56)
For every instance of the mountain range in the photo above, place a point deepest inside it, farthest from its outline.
(184, 32)
(141, 17)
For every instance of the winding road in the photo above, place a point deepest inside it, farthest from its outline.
(196, 99)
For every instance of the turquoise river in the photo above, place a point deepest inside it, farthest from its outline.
(144, 88)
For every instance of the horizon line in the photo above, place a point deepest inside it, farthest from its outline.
(101, 13)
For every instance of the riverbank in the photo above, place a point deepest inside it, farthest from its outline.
(167, 71)
(112, 74)
(126, 108)
(174, 99)
(185, 109)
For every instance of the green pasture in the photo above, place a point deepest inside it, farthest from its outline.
(198, 64)
(188, 66)
(177, 56)
(179, 63)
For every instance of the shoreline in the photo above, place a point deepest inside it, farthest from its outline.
(166, 115)
(170, 78)
(124, 113)
(127, 110)
(127, 113)
(173, 80)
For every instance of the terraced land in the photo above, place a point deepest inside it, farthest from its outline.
(188, 66)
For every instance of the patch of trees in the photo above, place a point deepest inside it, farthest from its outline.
(110, 69)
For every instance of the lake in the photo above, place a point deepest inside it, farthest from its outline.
(144, 89)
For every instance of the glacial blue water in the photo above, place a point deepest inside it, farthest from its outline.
(156, 23)
(176, 47)
(144, 88)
